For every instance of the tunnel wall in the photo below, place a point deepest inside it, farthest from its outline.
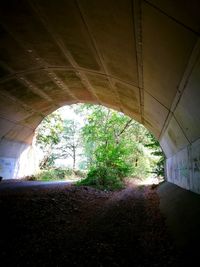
(183, 169)
(139, 57)
(17, 159)
(180, 139)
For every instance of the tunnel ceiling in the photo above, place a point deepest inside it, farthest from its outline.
(140, 57)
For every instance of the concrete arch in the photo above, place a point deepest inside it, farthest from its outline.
(140, 57)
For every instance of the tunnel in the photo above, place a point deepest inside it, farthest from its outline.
(138, 57)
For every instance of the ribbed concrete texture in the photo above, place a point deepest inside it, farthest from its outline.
(139, 57)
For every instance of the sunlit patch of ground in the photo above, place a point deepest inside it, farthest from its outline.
(151, 180)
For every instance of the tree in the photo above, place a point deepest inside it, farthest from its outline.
(113, 144)
(58, 139)
(70, 141)
(154, 145)
(48, 135)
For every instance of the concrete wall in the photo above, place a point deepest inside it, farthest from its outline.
(183, 169)
(139, 57)
(180, 139)
(17, 159)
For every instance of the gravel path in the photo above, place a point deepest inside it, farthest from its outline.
(81, 226)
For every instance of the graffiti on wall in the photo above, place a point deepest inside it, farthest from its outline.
(196, 164)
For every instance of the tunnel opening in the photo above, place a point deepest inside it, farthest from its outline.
(86, 140)
(140, 57)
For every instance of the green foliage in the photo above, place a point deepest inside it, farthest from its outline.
(52, 174)
(102, 178)
(58, 174)
(70, 141)
(49, 131)
(48, 135)
(114, 146)
(143, 167)
(157, 151)
(58, 138)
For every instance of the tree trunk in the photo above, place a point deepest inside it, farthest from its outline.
(74, 158)
(45, 159)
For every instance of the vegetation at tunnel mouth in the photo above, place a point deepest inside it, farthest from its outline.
(104, 148)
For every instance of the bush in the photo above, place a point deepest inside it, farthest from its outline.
(80, 173)
(103, 178)
(63, 173)
(30, 178)
(48, 175)
(57, 174)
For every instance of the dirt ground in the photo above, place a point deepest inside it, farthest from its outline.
(81, 226)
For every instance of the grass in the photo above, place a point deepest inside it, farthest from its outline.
(56, 174)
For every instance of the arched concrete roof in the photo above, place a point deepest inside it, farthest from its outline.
(140, 57)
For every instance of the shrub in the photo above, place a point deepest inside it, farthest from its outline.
(103, 178)
(47, 175)
(56, 174)
(80, 173)
(30, 178)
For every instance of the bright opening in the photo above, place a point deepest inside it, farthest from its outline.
(97, 146)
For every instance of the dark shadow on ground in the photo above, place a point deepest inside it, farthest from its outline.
(182, 211)
(71, 226)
